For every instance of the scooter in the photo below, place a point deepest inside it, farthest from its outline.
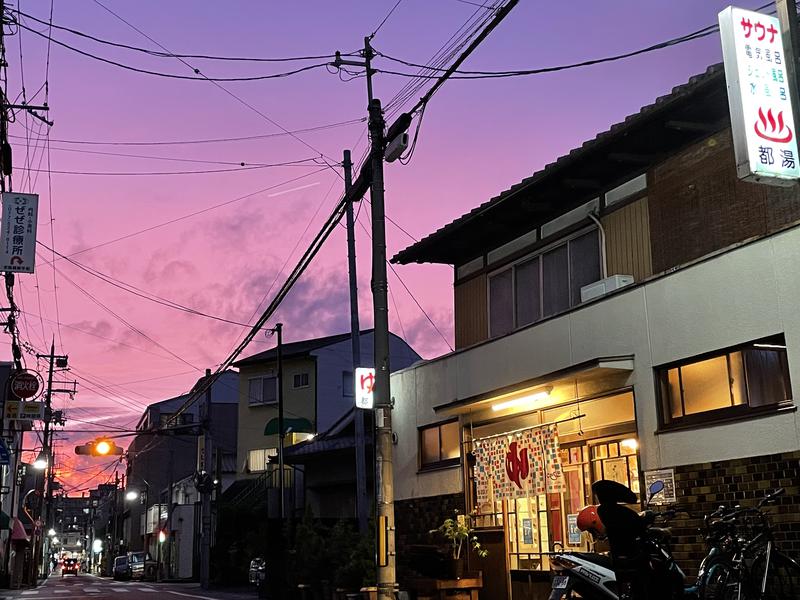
(642, 565)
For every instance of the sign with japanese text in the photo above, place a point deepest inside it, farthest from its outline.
(572, 530)
(518, 465)
(18, 235)
(667, 493)
(25, 384)
(759, 97)
(23, 411)
(365, 386)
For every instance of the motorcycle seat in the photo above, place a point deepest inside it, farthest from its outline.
(601, 560)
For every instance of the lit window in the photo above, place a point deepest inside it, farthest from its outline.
(439, 445)
(259, 459)
(738, 381)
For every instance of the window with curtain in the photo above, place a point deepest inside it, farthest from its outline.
(544, 284)
(262, 390)
(737, 381)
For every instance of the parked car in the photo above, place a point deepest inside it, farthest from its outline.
(70, 566)
(122, 568)
(257, 571)
(141, 565)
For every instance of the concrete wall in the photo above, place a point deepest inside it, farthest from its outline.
(738, 296)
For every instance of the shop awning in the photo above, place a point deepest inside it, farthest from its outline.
(297, 425)
(18, 533)
(594, 369)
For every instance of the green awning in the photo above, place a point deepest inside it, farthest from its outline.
(296, 425)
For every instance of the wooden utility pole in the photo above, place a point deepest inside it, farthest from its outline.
(281, 425)
(205, 468)
(362, 498)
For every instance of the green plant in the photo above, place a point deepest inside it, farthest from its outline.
(457, 531)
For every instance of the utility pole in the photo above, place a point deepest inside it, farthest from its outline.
(371, 175)
(362, 499)
(207, 455)
(281, 426)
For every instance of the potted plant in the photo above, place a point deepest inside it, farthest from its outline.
(458, 531)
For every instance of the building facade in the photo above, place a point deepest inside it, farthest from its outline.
(318, 392)
(160, 465)
(636, 299)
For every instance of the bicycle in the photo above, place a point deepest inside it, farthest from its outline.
(751, 566)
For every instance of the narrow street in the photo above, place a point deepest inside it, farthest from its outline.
(91, 586)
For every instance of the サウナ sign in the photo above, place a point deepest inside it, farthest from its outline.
(759, 97)
(18, 233)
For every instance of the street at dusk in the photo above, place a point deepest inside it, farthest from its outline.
(399, 300)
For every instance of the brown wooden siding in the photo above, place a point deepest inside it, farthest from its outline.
(472, 319)
(698, 205)
(628, 241)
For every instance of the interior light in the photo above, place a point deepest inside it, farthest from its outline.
(773, 346)
(162, 537)
(51, 532)
(541, 395)
(630, 444)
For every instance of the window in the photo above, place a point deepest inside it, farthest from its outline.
(348, 385)
(258, 460)
(301, 380)
(262, 390)
(439, 445)
(543, 285)
(726, 384)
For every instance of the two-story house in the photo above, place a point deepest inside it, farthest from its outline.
(631, 306)
(318, 392)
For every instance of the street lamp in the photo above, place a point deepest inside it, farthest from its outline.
(131, 495)
(52, 532)
(41, 461)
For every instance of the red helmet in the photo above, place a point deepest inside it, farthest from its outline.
(589, 520)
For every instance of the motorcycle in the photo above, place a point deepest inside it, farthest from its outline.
(640, 565)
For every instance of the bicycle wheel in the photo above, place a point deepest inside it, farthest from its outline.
(721, 583)
(783, 578)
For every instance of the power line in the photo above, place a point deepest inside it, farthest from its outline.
(199, 77)
(460, 74)
(297, 163)
(168, 55)
(195, 213)
(132, 289)
(212, 140)
(386, 18)
(216, 83)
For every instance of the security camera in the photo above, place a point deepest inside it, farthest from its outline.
(396, 147)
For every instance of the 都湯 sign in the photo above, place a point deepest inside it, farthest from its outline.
(759, 97)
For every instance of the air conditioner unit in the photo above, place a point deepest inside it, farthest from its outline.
(604, 286)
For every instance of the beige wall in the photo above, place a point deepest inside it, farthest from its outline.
(742, 295)
(297, 403)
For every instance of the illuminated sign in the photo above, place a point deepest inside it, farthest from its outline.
(759, 97)
(365, 386)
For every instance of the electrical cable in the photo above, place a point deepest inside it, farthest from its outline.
(131, 289)
(297, 163)
(213, 140)
(167, 55)
(124, 321)
(199, 77)
(386, 18)
(194, 214)
(216, 83)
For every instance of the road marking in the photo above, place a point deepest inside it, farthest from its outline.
(191, 595)
(89, 590)
(30, 592)
(145, 590)
(61, 591)
(119, 589)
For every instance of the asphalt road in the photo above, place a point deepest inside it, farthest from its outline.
(90, 586)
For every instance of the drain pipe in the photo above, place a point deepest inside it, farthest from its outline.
(601, 229)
